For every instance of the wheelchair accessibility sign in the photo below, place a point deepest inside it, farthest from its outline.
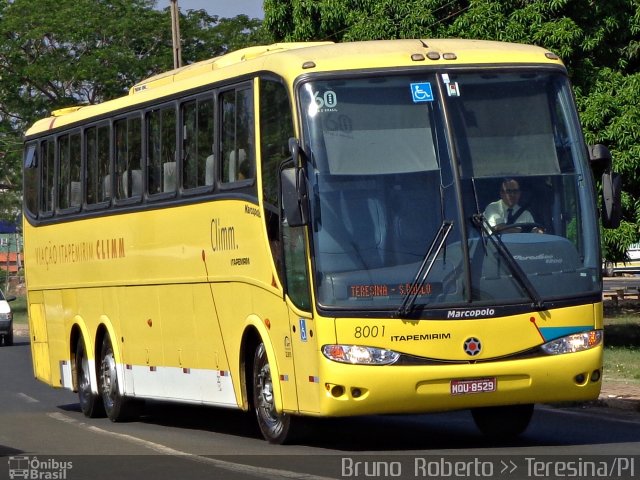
(421, 92)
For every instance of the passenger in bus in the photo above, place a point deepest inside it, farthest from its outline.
(507, 211)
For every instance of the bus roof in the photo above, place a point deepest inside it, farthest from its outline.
(290, 60)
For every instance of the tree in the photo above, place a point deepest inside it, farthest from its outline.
(598, 41)
(59, 53)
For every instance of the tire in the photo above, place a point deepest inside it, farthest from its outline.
(503, 423)
(117, 407)
(276, 428)
(90, 403)
(8, 339)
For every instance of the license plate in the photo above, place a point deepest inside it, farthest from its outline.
(476, 385)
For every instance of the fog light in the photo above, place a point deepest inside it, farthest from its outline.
(356, 392)
(337, 391)
(580, 378)
(595, 375)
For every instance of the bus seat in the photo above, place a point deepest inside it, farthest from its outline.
(209, 170)
(76, 194)
(235, 164)
(169, 177)
(106, 187)
(136, 183)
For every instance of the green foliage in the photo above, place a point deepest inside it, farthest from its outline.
(598, 41)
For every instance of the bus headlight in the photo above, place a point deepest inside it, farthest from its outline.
(573, 343)
(360, 355)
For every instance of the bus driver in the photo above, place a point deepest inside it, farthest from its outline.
(507, 211)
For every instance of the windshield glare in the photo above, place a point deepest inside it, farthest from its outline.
(381, 172)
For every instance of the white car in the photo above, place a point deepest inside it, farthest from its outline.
(6, 320)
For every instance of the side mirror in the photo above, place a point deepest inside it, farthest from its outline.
(600, 158)
(293, 189)
(294, 196)
(611, 200)
(294, 149)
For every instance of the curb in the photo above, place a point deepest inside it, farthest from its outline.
(618, 403)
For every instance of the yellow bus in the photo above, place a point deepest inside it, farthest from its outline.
(310, 229)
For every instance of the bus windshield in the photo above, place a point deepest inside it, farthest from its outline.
(495, 154)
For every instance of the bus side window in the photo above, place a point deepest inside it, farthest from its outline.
(237, 162)
(276, 128)
(31, 179)
(47, 176)
(161, 149)
(128, 157)
(98, 177)
(197, 142)
(69, 187)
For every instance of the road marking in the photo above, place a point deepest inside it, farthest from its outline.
(596, 415)
(261, 472)
(27, 398)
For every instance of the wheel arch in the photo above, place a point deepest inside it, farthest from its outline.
(255, 332)
(105, 328)
(79, 330)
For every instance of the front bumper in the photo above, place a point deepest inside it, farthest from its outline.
(365, 390)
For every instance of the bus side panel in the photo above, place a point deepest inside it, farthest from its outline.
(304, 340)
(141, 328)
(197, 366)
(207, 338)
(171, 344)
(236, 302)
(58, 346)
(176, 312)
(38, 332)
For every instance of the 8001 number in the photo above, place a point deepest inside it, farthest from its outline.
(369, 332)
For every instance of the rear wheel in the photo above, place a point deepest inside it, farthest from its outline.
(503, 422)
(275, 427)
(90, 403)
(117, 407)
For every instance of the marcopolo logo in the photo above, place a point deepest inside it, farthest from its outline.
(471, 313)
(37, 469)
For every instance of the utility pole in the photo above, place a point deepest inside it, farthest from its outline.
(175, 34)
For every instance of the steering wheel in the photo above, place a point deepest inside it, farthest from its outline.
(529, 227)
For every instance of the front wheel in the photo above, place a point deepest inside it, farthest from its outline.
(504, 422)
(117, 407)
(275, 427)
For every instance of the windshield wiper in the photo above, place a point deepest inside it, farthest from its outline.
(481, 223)
(420, 278)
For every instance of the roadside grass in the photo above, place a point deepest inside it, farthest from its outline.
(622, 363)
(622, 340)
(19, 309)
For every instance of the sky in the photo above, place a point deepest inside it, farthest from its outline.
(222, 8)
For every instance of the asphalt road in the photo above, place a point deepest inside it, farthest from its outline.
(42, 430)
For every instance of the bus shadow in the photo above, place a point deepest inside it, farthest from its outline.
(453, 431)
(196, 417)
